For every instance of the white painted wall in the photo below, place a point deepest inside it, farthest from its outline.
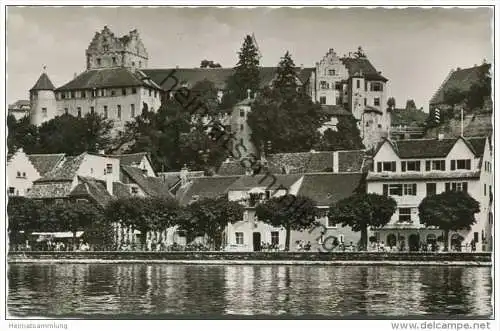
(20, 162)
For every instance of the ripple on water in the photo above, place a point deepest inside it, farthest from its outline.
(330, 291)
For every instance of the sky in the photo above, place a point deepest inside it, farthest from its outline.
(415, 48)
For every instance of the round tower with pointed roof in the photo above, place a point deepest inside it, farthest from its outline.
(42, 100)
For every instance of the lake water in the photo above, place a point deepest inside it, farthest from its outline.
(222, 291)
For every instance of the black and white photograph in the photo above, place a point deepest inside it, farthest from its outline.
(205, 162)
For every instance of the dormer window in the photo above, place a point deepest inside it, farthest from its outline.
(331, 72)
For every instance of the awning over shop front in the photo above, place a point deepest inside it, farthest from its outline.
(56, 235)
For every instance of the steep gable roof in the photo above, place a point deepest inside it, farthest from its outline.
(218, 76)
(43, 83)
(66, 171)
(205, 187)
(433, 148)
(109, 77)
(327, 188)
(152, 186)
(273, 181)
(362, 65)
(44, 163)
(91, 188)
(131, 159)
(461, 79)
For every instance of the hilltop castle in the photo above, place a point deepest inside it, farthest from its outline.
(118, 85)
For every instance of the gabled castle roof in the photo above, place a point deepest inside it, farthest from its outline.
(362, 66)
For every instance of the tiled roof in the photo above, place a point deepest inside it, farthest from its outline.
(379, 176)
(408, 117)
(335, 110)
(152, 186)
(231, 168)
(54, 189)
(66, 171)
(327, 188)
(108, 77)
(44, 163)
(19, 104)
(205, 187)
(292, 161)
(218, 76)
(273, 181)
(320, 162)
(130, 159)
(43, 83)
(351, 161)
(461, 79)
(362, 65)
(91, 188)
(121, 190)
(431, 148)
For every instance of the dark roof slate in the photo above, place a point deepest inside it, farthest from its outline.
(44, 163)
(362, 65)
(66, 171)
(43, 83)
(351, 161)
(327, 188)
(335, 110)
(91, 188)
(432, 148)
(109, 77)
(205, 187)
(131, 159)
(231, 168)
(271, 181)
(152, 186)
(320, 162)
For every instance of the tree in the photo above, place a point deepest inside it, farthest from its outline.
(290, 212)
(22, 134)
(71, 216)
(246, 74)
(210, 217)
(209, 64)
(363, 210)
(285, 115)
(450, 211)
(480, 90)
(410, 104)
(391, 103)
(346, 137)
(24, 215)
(143, 214)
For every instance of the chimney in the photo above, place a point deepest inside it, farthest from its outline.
(184, 175)
(109, 179)
(335, 166)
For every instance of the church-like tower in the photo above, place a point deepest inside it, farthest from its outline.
(42, 100)
(108, 51)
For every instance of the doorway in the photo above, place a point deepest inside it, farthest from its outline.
(256, 242)
(414, 242)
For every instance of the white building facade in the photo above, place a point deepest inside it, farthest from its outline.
(410, 170)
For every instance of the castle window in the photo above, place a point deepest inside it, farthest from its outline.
(83, 94)
(12, 190)
(98, 62)
(114, 60)
(109, 168)
(66, 111)
(140, 64)
(322, 100)
(365, 101)
(156, 94)
(119, 111)
(92, 110)
(105, 111)
(124, 91)
(79, 111)
(61, 95)
(18, 174)
(44, 112)
(112, 93)
(150, 91)
(242, 113)
(323, 85)
(358, 82)
(376, 101)
(132, 110)
(134, 90)
(331, 72)
(242, 127)
(366, 86)
(338, 101)
(72, 94)
(338, 86)
(133, 64)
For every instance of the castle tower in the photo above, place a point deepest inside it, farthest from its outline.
(108, 51)
(42, 100)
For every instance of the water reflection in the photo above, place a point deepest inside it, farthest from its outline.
(335, 291)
